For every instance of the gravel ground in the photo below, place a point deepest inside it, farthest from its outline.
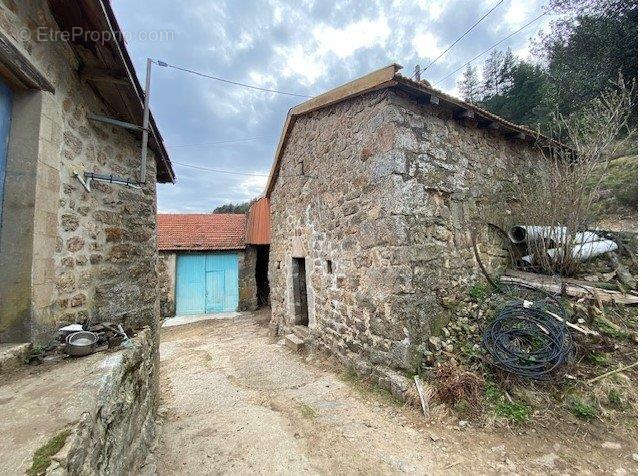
(234, 401)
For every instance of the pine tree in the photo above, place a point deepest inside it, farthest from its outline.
(469, 86)
(506, 70)
(492, 74)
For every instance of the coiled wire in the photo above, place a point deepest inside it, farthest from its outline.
(528, 341)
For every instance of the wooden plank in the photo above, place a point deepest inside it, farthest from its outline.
(465, 114)
(357, 86)
(21, 66)
(566, 286)
(103, 75)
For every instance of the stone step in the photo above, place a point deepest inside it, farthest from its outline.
(293, 342)
(302, 332)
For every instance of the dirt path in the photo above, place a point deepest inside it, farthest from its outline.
(236, 402)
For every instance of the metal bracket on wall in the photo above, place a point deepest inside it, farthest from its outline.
(87, 177)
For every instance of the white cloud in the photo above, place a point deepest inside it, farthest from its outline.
(518, 11)
(435, 8)
(253, 186)
(298, 61)
(343, 42)
(262, 80)
(426, 45)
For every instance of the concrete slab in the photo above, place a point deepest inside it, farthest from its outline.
(13, 355)
(38, 401)
(189, 319)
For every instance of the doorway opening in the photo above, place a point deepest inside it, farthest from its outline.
(261, 275)
(300, 292)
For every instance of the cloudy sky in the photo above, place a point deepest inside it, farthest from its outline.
(298, 46)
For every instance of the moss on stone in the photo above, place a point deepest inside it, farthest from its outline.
(42, 456)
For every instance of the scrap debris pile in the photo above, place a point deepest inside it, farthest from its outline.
(533, 339)
(556, 243)
(77, 341)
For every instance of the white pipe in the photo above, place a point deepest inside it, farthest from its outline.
(523, 234)
(581, 252)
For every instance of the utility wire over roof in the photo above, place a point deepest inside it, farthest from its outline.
(387, 77)
(463, 35)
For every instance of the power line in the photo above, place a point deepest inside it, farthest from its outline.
(490, 48)
(167, 65)
(464, 34)
(232, 141)
(207, 169)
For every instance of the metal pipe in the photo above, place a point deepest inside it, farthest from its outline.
(557, 234)
(143, 155)
(111, 179)
(114, 122)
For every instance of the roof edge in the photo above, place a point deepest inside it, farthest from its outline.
(376, 79)
(387, 77)
(112, 21)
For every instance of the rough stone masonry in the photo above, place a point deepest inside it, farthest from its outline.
(378, 193)
(70, 255)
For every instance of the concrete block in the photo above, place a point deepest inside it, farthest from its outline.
(292, 342)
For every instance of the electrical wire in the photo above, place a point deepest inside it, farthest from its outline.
(528, 341)
(216, 78)
(496, 44)
(463, 35)
(207, 169)
(203, 144)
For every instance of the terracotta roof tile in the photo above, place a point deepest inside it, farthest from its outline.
(201, 231)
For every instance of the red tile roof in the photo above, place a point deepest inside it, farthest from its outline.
(201, 231)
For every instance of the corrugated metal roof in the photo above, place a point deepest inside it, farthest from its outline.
(201, 231)
(258, 223)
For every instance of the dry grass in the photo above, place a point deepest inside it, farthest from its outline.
(458, 386)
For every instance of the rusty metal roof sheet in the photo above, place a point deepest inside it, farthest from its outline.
(258, 223)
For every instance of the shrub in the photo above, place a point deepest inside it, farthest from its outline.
(458, 386)
(581, 409)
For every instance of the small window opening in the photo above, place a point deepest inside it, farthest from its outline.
(300, 291)
(328, 266)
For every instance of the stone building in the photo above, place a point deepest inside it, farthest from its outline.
(69, 254)
(257, 239)
(373, 194)
(204, 265)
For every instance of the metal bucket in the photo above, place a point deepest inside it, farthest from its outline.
(81, 343)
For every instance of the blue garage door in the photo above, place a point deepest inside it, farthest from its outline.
(207, 283)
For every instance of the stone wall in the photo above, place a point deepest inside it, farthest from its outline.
(117, 434)
(377, 194)
(89, 255)
(166, 269)
(247, 279)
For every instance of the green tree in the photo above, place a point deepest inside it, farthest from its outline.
(241, 207)
(589, 48)
(525, 101)
(469, 85)
(492, 74)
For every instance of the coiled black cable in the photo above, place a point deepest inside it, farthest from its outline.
(528, 341)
